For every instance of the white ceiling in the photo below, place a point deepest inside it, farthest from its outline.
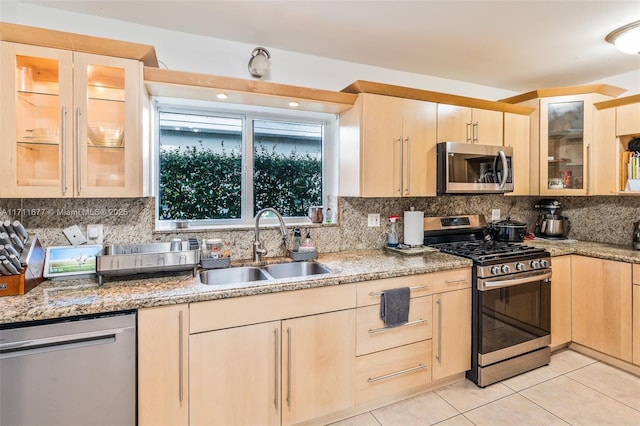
(517, 45)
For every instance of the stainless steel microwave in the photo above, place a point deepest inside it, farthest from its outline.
(474, 169)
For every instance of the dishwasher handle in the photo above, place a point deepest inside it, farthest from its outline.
(54, 343)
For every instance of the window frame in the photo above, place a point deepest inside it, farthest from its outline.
(248, 113)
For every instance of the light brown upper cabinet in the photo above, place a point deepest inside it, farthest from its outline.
(628, 119)
(387, 147)
(470, 125)
(516, 136)
(572, 143)
(70, 123)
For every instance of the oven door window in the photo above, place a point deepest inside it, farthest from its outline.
(514, 315)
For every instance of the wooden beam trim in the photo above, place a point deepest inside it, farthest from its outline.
(602, 89)
(361, 86)
(633, 99)
(78, 43)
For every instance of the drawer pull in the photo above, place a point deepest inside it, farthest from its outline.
(397, 373)
(378, 330)
(461, 280)
(378, 293)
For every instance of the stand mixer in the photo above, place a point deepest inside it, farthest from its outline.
(550, 223)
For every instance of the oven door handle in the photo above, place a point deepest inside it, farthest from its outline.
(537, 276)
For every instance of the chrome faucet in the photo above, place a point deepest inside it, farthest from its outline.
(258, 250)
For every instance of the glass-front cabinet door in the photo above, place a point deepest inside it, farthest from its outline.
(107, 101)
(36, 97)
(564, 145)
(69, 124)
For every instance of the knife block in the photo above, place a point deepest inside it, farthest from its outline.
(31, 273)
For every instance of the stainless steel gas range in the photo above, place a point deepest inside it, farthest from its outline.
(511, 297)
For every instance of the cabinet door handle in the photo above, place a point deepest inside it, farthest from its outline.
(289, 367)
(78, 183)
(397, 373)
(476, 132)
(407, 190)
(378, 330)
(277, 371)
(588, 169)
(417, 287)
(181, 353)
(469, 137)
(439, 352)
(400, 168)
(63, 143)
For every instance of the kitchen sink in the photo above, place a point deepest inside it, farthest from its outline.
(295, 269)
(235, 275)
(244, 274)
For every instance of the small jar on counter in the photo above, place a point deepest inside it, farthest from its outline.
(212, 248)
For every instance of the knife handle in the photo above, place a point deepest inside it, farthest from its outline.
(15, 261)
(7, 227)
(17, 242)
(20, 230)
(4, 239)
(3, 270)
(9, 266)
(10, 249)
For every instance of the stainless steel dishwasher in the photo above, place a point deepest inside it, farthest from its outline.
(77, 371)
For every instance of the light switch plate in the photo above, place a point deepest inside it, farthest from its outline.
(74, 235)
(495, 214)
(94, 234)
(373, 219)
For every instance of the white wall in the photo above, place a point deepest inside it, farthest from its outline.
(188, 52)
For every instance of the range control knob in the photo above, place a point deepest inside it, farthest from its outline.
(535, 264)
(505, 269)
(495, 270)
(520, 266)
(544, 263)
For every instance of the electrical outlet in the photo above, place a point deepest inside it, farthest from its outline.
(495, 214)
(74, 235)
(373, 220)
(94, 234)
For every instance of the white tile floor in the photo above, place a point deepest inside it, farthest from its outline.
(573, 389)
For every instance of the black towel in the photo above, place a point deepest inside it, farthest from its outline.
(394, 306)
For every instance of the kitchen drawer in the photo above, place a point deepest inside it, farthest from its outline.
(636, 273)
(372, 336)
(368, 292)
(392, 371)
(237, 311)
(455, 279)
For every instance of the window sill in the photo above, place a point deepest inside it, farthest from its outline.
(238, 227)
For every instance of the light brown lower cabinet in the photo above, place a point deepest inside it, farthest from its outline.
(451, 333)
(636, 314)
(560, 301)
(393, 370)
(163, 368)
(601, 305)
(290, 371)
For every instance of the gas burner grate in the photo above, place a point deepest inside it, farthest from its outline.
(483, 250)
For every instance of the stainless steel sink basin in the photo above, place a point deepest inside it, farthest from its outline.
(239, 274)
(295, 269)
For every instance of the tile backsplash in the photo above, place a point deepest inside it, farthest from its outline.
(607, 219)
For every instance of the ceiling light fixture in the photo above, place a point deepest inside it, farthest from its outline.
(294, 104)
(259, 63)
(626, 38)
(222, 96)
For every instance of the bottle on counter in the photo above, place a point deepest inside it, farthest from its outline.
(392, 235)
(296, 239)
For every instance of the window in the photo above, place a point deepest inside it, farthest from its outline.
(221, 166)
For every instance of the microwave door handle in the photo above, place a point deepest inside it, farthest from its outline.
(505, 168)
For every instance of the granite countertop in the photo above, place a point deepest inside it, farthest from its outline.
(586, 248)
(65, 298)
(57, 299)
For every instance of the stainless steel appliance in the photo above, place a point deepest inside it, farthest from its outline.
(76, 371)
(636, 236)
(551, 223)
(130, 259)
(469, 168)
(511, 298)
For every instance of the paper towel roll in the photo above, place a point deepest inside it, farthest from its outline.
(413, 228)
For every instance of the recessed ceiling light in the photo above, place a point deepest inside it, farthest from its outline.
(626, 38)
(222, 96)
(294, 104)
